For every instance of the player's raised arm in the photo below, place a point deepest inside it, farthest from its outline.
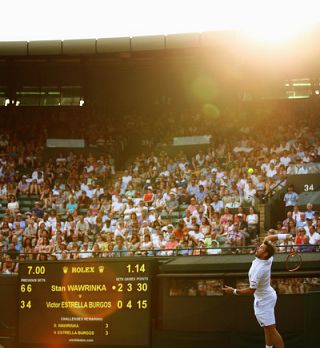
(275, 237)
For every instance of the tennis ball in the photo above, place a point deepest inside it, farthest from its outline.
(250, 170)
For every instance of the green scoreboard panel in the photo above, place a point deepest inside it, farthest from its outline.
(305, 182)
(92, 302)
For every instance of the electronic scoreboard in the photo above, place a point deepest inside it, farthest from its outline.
(92, 302)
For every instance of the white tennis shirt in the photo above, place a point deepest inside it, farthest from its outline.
(259, 277)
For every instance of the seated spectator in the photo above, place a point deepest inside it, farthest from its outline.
(302, 222)
(240, 212)
(243, 228)
(18, 231)
(13, 205)
(301, 232)
(292, 228)
(309, 225)
(82, 227)
(234, 236)
(200, 194)
(94, 206)
(185, 245)
(207, 205)
(34, 188)
(27, 248)
(193, 206)
(148, 197)
(310, 213)
(7, 266)
(172, 204)
(306, 246)
(212, 245)
(71, 206)
(3, 190)
(83, 201)
(227, 198)
(43, 247)
(11, 191)
(23, 186)
(179, 231)
(205, 227)
(192, 188)
(171, 245)
(118, 206)
(195, 233)
(146, 246)
(226, 216)
(85, 252)
(217, 204)
(314, 236)
(286, 221)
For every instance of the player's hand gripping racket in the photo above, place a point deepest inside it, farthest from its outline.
(293, 260)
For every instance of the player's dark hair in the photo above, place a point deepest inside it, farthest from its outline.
(269, 249)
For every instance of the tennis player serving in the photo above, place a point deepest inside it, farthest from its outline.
(264, 295)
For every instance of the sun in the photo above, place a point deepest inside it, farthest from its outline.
(280, 21)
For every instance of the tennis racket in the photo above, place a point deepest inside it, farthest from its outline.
(293, 260)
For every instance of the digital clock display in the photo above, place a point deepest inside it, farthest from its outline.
(92, 302)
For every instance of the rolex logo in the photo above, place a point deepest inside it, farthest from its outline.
(101, 269)
(65, 269)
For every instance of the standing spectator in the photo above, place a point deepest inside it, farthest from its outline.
(253, 221)
(290, 198)
(296, 214)
(249, 192)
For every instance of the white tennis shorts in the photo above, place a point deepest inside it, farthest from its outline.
(264, 310)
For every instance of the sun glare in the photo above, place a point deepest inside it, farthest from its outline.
(273, 20)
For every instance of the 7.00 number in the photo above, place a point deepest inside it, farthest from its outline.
(36, 270)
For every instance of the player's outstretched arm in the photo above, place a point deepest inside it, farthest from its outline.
(229, 290)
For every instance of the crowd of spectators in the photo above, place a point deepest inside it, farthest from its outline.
(303, 225)
(161, 204)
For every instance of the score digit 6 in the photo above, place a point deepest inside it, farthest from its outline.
(26, 288)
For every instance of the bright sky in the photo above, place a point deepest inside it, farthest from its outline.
(29, 20)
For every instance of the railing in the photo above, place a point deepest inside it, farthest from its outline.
(191, 251)
(274, 192)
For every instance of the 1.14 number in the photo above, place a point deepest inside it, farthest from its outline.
(137, 268)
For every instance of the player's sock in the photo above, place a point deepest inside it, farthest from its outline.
(268, 346)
